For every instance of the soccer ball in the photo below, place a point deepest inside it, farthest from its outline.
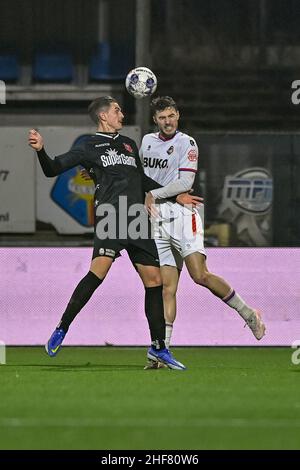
(141, 82)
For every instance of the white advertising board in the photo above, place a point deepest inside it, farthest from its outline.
(17, 182)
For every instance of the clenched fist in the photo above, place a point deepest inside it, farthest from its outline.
(35, 140)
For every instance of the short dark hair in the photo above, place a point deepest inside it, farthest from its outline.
(98, 105)
(162, 102)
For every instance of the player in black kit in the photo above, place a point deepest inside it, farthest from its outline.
(114, 161)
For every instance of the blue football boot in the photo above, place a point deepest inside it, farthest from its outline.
(164, 356)
(54, 343)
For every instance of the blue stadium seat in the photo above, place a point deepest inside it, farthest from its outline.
(9, 67)
(100, 62)
(53, 67)
(122, 60)
(110, 62)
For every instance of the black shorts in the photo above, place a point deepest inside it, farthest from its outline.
(140, 251)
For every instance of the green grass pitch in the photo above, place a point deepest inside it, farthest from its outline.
(101, 398)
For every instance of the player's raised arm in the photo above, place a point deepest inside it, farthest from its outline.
(53, 167)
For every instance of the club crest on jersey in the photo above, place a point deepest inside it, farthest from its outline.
(170, 150)
(128, 148)
(192, 155)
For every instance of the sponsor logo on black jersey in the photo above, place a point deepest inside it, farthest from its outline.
(170, 150)
(128, 148)
(112, 158)
(155, 162)
(105, 144)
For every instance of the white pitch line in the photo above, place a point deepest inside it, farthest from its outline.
(190, 423)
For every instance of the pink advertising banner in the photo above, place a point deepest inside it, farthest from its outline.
(36, 284)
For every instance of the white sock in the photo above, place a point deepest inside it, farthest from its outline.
(169, 331)
(235, 301)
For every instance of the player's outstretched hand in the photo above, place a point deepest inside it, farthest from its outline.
(35, 140)
(186, 199)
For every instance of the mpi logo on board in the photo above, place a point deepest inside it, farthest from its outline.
(2, 92)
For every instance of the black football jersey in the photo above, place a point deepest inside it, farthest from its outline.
(114, 163)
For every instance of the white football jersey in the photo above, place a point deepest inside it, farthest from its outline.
(165, 160)
(178, 231)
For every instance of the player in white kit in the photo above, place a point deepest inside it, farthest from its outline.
(170, 157)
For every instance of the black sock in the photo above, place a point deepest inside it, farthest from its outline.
(81, 295)
(154, 309)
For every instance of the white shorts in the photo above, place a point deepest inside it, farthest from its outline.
(179, 237)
